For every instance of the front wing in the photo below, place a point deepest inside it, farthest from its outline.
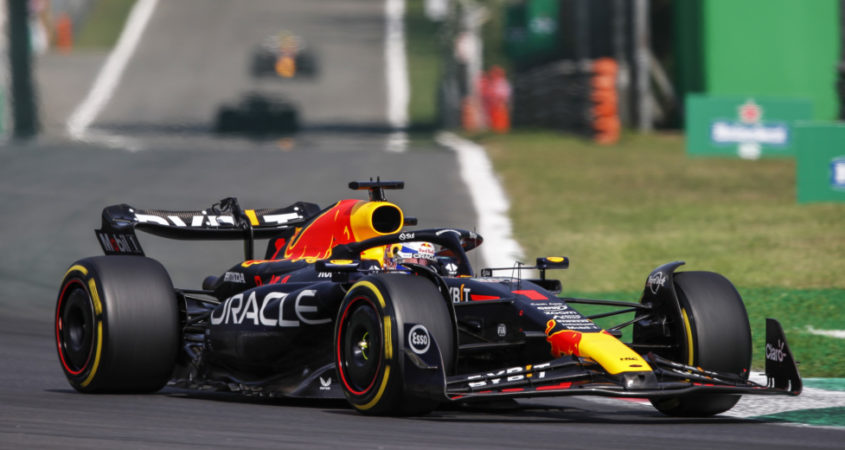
(576, 376)
(570, 375)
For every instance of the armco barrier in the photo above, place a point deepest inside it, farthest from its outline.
(820, 165)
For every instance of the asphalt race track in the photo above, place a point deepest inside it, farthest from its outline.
(193, 57)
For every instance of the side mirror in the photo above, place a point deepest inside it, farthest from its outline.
(553, 262)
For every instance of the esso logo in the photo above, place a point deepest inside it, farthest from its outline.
(419, 339)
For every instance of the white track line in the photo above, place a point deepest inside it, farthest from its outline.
(491, 204)
(396, 65)
(839, 334)
(396, 74)
(109, 76)
(488, 197)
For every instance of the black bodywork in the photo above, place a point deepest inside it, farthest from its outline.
(266, 326)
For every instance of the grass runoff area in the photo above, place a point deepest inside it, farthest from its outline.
(620, 211)
(103, 24)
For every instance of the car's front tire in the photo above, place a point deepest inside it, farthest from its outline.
(718, 338)
(369, 338)
(117, 325)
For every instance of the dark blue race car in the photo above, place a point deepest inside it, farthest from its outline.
(353, 301)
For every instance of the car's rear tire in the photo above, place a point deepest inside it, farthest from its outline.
(117, 325)
(369, 338)
(714, 318)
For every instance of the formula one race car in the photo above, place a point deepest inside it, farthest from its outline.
(349, 302)
(284, 55)
(258, 114)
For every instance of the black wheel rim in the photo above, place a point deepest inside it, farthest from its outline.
(76, 330)
(362, 347)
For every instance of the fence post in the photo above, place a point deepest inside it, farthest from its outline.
(20, 58)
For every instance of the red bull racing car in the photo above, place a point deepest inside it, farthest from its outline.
(285, 55)
(350, 301)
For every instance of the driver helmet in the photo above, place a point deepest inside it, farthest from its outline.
(421, 253)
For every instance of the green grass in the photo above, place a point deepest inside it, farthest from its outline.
(620, 211)
(103, 24)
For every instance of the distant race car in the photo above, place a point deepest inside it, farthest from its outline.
(347, 301)
(258, 114)
(284, 55)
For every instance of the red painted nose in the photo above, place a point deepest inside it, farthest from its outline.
(564, 342)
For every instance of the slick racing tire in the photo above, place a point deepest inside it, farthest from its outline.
(117, 325)
(263, 63)
(306, 64)
(369, 339)
(718, 339)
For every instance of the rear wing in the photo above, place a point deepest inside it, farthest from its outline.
(222, 221)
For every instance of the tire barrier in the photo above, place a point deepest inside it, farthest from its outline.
(605, 101)
(569, 96)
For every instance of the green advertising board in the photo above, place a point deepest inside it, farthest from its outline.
(772, 48)
(531, 29)
(820, 165)
(747, 127)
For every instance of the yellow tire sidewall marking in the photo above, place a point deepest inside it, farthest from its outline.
(96, 365)
(688, 329)
(380, 392)
(77, 268)
(98, 313)
(388, 339)
(388, 344)
(95, 297)
(372, 287)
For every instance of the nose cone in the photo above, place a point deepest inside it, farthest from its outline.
(633, 381)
